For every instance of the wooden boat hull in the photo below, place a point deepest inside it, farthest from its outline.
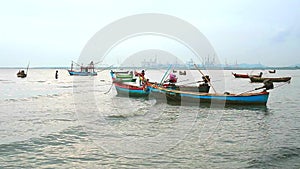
(244, 75)
(124, 80)
(196, 98)
(202, 88)
(240, 75)
(21, 75)
(272, 71)
(74, 73)
(261, 80)
(128, 90)
(121, 75)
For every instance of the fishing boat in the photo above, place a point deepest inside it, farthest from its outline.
(88, 70)
(203, 87)
(182, 72)
(22, 73)
(129, 89)
(195, 98)
(236, 75)
(123, 77)
(273, 79)
(272, 71)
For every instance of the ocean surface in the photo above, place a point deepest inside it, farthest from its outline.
(79, 122)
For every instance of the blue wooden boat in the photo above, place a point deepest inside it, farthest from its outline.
(129, 89)
(195, 98)
(84, 70)
(81, 73)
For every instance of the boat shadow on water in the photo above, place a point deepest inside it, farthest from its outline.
(262, 108)
(202, 105)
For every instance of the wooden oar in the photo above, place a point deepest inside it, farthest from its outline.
(205, 77)
(109, 88)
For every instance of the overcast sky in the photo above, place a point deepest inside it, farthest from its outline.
(54, 32)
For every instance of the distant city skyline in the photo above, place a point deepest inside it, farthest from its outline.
(53, 33)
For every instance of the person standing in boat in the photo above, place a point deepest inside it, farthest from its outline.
(173, 78)
(141, 76)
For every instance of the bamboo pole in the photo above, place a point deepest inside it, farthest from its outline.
(27, 67)
(205, 77)
(165, 74)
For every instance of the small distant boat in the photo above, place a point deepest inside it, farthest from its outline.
(236, 75)
(177, 97)
(22, 73)
(84, 70)
(272, 71)
(182, 72)
(174, 71)
(273, 79)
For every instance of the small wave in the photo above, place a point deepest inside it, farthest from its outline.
(63, 120)
(276, 159)
(4, 80)
(118, 116)
(65, 87)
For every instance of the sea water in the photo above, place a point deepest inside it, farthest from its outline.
(80, 122)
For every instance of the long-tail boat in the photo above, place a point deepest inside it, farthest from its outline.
(129, 89)
(195, 98)
(88, 70)
(236, 75)
(178, 97)
(273, 79)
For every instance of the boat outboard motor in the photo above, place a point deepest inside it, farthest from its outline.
(268, 84)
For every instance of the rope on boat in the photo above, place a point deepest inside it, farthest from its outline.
(288, 82)
(272, 88)
(109, 88)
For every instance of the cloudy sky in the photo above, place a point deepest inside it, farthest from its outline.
(54, 32)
